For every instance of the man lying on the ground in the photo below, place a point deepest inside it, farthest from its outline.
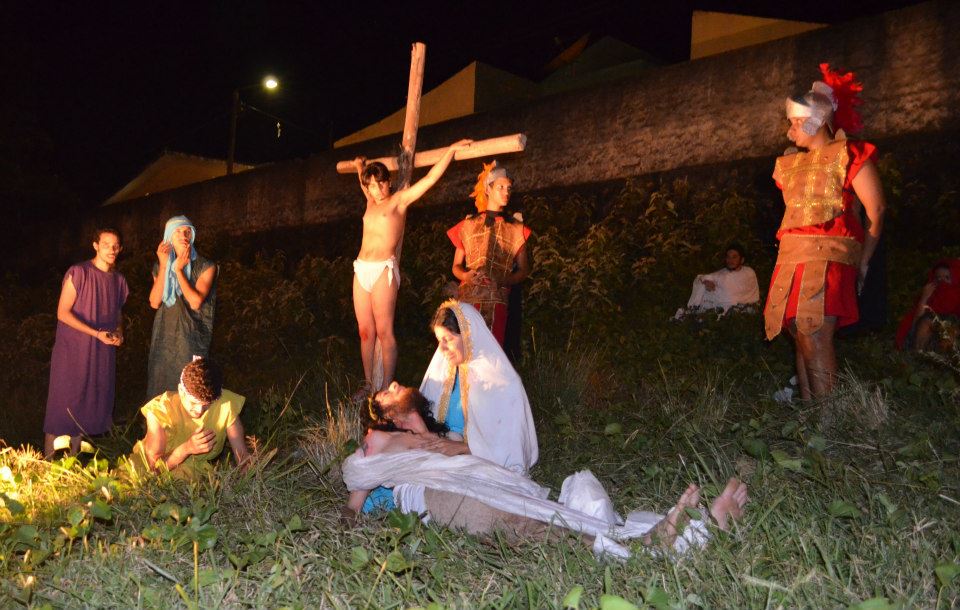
(733, 286)
(468, 493)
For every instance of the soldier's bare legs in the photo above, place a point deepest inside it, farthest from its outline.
(816, 360)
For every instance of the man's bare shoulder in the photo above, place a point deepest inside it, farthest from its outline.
(399, 201)
(386, 208)
(379, 441)
(375, 441)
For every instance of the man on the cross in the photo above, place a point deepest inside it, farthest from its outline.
(376, 277)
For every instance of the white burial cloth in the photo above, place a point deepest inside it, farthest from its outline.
(586, 508)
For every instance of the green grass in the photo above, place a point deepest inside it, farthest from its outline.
(864, 510)
(855, 500)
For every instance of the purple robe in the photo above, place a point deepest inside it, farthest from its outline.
(83, 369)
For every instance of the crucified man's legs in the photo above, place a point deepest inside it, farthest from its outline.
(374, 311)
(383, 302)
(366, 327)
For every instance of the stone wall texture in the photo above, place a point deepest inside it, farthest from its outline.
(710, 111)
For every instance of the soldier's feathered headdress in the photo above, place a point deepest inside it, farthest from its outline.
(490, 173)
(832, 100)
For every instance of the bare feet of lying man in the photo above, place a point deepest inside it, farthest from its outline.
(666, 531)
(727, 507)
(729, 504)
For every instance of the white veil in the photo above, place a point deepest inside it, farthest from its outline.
(499, 426)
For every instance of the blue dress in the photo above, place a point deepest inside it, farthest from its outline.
(455, 420)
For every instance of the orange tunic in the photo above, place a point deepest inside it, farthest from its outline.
(819, 185)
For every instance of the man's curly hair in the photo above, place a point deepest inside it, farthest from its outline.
(203, 378)
(417, 402)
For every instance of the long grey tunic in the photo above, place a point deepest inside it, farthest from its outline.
(179, 333)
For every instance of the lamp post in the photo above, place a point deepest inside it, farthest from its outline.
(270, 84)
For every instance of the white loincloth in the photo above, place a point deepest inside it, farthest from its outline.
(368, 272)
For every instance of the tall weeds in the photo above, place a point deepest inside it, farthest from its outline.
(853, 499)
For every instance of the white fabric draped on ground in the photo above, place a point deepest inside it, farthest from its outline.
(586, 508)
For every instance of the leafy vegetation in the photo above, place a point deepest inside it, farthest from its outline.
(854, 501)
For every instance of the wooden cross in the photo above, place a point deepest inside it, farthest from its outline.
(409, 158)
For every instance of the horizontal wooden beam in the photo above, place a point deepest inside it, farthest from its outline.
(484, 148)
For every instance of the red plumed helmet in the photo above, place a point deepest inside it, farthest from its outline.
(846, 92)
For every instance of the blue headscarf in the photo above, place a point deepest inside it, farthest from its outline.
(171, 287)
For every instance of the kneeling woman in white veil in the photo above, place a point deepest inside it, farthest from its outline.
(477, 393)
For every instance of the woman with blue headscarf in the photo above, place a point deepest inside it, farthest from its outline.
(184, 293)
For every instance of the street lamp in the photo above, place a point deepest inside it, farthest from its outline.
(269, 83)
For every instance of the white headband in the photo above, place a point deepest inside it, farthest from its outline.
(497, 173)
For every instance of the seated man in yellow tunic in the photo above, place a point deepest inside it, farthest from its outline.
(186, 429)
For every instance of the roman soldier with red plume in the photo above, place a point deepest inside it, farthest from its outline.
(824, 247)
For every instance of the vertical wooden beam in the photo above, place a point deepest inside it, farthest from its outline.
(408, 145)
(408, 148)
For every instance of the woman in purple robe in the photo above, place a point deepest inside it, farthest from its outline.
(89, 330)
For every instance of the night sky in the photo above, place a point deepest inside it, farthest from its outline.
(93, 91)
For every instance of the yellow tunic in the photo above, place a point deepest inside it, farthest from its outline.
(179, 426)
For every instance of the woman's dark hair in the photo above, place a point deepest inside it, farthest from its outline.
(737, 247)
(110, 230)
(203, 378)
(415, 401)
(446, 318)
(375, 171)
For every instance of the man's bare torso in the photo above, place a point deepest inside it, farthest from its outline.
(383, 224)
(378, 441)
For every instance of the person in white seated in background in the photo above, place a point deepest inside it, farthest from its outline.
(735, 284)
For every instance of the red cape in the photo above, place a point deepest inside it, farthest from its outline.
(945, 300)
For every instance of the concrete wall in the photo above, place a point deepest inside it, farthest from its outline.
(712, 33)
(714, 110)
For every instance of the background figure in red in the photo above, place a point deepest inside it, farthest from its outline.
(491, 252)
(824, 251)
(932, 323)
